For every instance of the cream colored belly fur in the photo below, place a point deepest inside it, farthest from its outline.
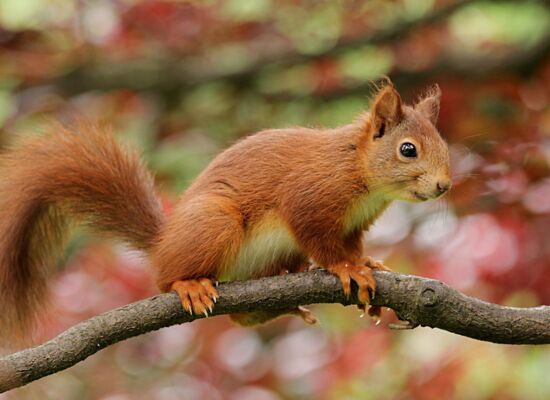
(271, 241)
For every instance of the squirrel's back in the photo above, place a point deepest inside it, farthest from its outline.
(256, 170)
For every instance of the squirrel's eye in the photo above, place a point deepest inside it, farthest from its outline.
(408, 150)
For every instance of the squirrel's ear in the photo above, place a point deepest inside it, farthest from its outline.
(429, 104)
(386, 111)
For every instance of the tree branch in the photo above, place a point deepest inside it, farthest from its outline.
(523, 63)
(169, 75)
(418, 300)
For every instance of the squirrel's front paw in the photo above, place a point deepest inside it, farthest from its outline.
(197, 295)
(361, 274)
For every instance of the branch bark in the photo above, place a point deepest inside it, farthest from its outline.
(420, 301)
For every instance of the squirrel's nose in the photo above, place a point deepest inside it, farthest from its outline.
(443, 186)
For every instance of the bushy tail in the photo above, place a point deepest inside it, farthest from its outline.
(82, 173)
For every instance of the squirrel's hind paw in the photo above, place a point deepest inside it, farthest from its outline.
(373, 264)
(306, 314)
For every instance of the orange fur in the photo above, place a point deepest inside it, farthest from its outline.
(266, 204)
(84, 173)
(309, 177)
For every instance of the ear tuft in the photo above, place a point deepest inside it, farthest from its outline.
(387, 110)
(387, 105)
(429, 104)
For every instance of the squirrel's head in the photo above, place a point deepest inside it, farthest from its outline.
(407, 158)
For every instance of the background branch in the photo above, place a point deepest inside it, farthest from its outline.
(172, 76)
(169, 75)
(522, 62)
(418, 300)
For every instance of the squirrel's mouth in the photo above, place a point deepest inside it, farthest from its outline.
(420, 196)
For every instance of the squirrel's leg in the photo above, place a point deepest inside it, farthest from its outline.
(202, 236)
(261, 317)
(342, 256)
(373, 264)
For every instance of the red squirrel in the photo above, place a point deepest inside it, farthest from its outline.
(268, 204)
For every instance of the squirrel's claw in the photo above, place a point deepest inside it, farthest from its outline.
(374, 312)
(402, 325)
(361, 274)
(197, 295)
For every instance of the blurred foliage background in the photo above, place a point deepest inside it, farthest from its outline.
(184, 79)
